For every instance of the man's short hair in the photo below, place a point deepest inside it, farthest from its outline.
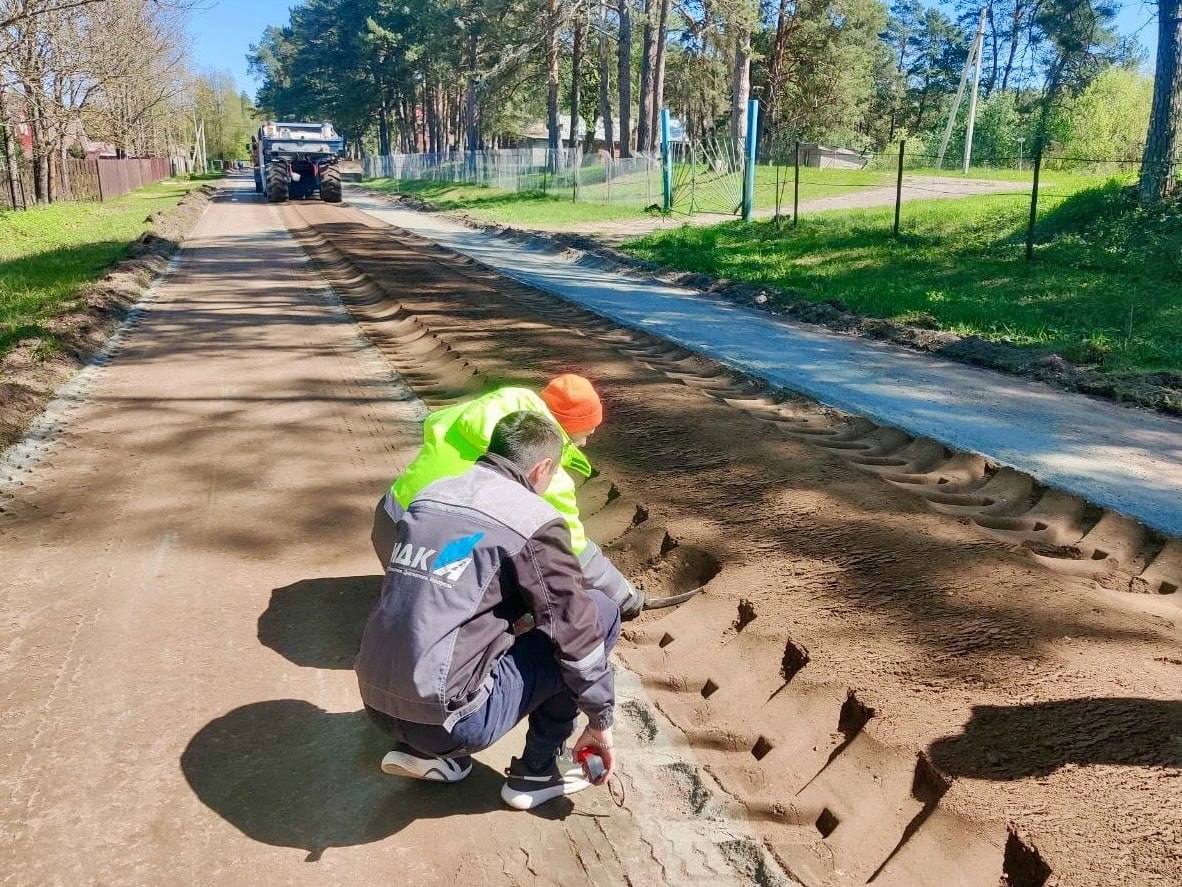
(525, 439)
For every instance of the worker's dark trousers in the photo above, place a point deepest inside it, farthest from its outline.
(526, 682)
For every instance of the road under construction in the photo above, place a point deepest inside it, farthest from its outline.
(908, 666)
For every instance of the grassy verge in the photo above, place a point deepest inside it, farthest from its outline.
(1104, 289)
(522, 208)
(627, 196)
(49, 253)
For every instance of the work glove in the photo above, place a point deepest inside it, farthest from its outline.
(633, 603)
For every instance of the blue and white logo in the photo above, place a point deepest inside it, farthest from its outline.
(455, 557)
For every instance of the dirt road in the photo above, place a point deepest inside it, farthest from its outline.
(884, 693)
(185, 573)
(892, 695)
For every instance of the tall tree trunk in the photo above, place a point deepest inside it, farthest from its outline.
(995, 52)
(605, 105)
(659, 68)
(1159, 165)
(470, 98)
(554, 136)
(576, 73)
(429, 113)
(624, 63)
(740, 82)
(777, 67)
(648, 58)
(383, 128)
(1015, 33)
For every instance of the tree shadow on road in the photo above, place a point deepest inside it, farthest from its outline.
(1013, 742)
(317, 623)
(287, 773)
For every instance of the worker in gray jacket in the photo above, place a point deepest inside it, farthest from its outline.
(485, 619)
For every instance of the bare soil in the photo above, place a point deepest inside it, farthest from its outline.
(892, 687)
(31, 373)
(186, 571)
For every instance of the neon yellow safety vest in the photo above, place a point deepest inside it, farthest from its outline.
(456, 436)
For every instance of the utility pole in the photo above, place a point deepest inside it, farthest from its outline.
(973, 60)
(979, 44)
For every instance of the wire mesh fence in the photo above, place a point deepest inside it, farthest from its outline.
(793, 180)
(583, 176)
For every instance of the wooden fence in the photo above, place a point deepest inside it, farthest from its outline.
(85, 179)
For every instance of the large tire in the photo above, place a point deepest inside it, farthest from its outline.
(277, 181)
(330, 184)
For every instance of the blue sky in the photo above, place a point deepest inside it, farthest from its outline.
(223, 34)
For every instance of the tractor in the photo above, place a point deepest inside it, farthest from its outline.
(297, 160)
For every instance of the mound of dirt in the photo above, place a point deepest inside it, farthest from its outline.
(33, 371)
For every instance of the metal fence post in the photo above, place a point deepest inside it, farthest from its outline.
(1033, 206)
(796, 188)
(899, 185)
(752, 145)
(666, 164)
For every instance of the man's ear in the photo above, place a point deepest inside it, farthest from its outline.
(540, 475)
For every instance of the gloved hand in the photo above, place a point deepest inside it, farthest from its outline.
(633, 603)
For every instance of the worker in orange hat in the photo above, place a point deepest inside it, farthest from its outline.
(456, 436)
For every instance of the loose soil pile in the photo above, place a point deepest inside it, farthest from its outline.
(895, 690)
(30, 374)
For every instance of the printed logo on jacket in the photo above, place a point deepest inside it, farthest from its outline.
(450, 563)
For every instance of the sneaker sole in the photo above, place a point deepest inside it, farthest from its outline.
(396, 764)
(519, 800)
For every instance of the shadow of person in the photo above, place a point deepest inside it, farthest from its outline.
(318, 623)
(287, 773)
(1012, 742)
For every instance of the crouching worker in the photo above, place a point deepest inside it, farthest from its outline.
(484, 620)
(455, 437)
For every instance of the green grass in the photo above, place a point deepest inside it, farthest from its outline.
(49, 253)
(1105, 289)
(506, 207)
(626, 197)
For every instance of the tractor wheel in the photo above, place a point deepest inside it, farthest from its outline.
(277, 181)
(330, 184)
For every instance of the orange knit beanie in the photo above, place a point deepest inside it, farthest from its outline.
(574, 403)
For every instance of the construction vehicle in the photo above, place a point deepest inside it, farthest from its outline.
(297, 161)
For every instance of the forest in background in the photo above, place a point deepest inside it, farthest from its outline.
(456, 74)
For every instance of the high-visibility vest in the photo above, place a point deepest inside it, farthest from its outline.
(456, 436)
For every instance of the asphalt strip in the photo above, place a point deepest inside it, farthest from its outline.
(1121, 458)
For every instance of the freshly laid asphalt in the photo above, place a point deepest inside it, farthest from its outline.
(1121, 458)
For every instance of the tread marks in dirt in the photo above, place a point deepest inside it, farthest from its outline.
(807, 756)
(1051, 526)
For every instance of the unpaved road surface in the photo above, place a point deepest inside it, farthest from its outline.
(889, 692)
(883, 691)
(185, 574)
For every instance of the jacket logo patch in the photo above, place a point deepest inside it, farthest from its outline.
(456, 556)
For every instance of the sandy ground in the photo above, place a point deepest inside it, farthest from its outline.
(890, 693)
(186, 569)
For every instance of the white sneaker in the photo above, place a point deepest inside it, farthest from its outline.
(525, 789)
(406, 761)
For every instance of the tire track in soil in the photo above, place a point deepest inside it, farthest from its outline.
(883, 669)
